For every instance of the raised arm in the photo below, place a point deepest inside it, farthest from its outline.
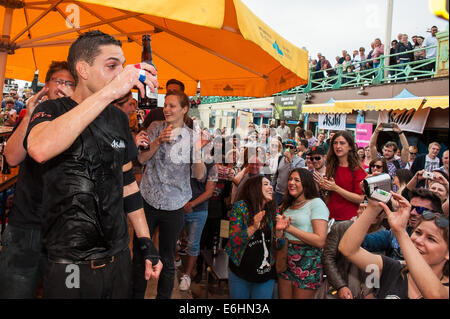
(14, 151)
(49, 139)
(404, 141)
(373, 141)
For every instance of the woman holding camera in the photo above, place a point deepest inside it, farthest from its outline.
(424, 271)
(343, 177)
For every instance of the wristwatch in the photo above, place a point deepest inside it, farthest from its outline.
(401, 132)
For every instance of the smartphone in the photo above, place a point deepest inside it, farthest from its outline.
(388, 125)
(428, 175)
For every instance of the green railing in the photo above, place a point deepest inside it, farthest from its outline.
(405, 72)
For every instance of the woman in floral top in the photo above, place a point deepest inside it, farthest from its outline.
(250, 245)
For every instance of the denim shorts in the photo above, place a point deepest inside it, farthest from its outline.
(194, 223)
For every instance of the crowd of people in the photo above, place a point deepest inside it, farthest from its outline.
(302, 223)
(362, 59)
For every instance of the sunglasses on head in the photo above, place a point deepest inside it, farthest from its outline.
(377, 166)
(315, 158)
(440, 220)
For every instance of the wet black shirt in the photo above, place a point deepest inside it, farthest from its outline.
(82, 191)
(26, 206)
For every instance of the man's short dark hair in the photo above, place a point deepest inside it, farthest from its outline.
(304, 142)
(391, 144)
(54, 67)
(87, 47)
(175, 81)
(436, 204)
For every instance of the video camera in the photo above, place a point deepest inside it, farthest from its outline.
(378, 187)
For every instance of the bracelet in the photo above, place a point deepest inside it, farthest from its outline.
(401, 133)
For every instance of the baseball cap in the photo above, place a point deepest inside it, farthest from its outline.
(290, 141)
(317, 150)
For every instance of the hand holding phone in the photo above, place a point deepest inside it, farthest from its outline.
(427, 175)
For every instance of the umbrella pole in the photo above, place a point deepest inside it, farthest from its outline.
(6, 30)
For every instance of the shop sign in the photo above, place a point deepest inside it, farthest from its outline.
(408, 120)
(332, 121)
(363, 134)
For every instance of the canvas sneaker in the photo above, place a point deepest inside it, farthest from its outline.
(185, 283)
(177, 262)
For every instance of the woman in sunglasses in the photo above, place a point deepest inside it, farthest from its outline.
(378, 166)
(424, 271)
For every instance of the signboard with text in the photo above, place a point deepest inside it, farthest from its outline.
(408, 120)
(363, 134)
(288, 107)
(332, 121)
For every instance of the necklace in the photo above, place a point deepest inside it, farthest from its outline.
(298, 204)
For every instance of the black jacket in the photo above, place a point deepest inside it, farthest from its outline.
(403, 48)
(340, 272)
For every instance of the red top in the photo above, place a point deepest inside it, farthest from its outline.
(340, 208)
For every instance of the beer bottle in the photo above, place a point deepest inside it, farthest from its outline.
(150, 101)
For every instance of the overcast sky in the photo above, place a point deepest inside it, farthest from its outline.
(329, 26)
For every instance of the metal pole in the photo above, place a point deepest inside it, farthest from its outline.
(6, 31)
(387, 36)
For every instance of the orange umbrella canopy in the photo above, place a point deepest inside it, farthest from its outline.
(220, 43)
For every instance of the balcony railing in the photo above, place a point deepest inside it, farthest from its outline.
(319, 81)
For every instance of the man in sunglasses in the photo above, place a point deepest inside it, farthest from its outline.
(422, 200)
(318, 158)
(413, 150)
(289, 161)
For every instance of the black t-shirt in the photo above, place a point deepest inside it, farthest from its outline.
(199, 187)
(82, 191)
(255, 264)
(392, 284)
(26, 207)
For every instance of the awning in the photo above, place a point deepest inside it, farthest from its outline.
(329, 107)
(404, 101)
(435, 102)
(381, 104)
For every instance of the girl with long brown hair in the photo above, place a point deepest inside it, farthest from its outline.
(251, 242)
(343, 177)
(306, 233)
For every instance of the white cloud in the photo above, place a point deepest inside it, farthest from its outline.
(329, 26)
